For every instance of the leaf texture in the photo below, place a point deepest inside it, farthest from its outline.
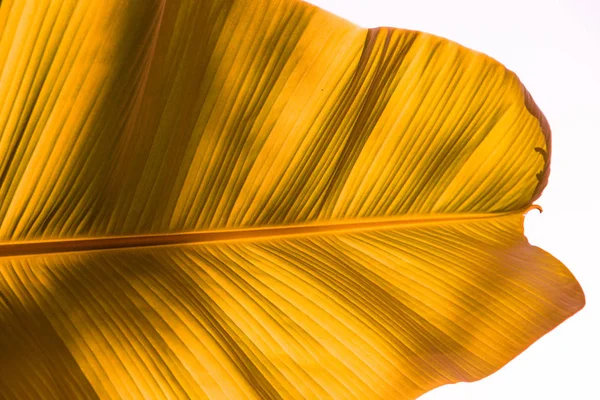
(355, 199)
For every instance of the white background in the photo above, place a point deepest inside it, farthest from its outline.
(554, 47)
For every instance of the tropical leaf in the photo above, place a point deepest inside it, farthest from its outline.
(258, 199)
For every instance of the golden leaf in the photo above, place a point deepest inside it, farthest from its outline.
(257, 199)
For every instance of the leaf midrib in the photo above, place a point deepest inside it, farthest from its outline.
(21, 248)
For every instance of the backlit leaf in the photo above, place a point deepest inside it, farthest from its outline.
(258, 199)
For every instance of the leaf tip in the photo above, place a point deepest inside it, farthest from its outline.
(534, 207)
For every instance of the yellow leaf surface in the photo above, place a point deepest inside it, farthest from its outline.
(258, 199)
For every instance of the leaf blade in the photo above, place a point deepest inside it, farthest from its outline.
(348, 123)
(342, 315)
(157, 120)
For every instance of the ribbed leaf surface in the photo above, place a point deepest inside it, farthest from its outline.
(258, 199)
